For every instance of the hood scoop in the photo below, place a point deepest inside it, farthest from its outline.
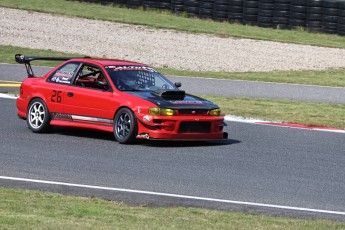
(170, 94)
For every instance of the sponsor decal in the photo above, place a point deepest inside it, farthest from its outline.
(94, 119)
(124, 68)
(61, 116)
(147, 118)
(187, 102)
(80, 118)
(139, 110)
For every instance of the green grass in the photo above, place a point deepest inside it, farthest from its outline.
(158, 19)
(308, 113)
(24, 209)
(7, 55)
(332, 77)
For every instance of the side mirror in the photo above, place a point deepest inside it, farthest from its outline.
(178, 84)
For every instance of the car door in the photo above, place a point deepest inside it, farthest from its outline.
(54, 89)
(90, 96)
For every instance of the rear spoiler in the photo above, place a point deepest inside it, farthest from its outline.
(22, 59)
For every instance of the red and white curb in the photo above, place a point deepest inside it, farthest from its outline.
(250, 121)
(279, 124)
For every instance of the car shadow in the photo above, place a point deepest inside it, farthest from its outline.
(95, 134)
(184, 144)
(85, 133)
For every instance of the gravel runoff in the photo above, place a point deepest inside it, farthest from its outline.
(159, 47)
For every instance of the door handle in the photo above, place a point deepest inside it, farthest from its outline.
(70, 94)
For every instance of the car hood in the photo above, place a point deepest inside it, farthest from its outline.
(174, 99)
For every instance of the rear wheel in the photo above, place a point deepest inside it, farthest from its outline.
(38, 117)
(125, 126)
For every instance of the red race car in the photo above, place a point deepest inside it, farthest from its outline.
(130, 99)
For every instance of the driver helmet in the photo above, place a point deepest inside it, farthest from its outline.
(129, 80)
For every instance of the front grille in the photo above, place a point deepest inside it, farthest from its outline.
(193, 111)
(195, 127)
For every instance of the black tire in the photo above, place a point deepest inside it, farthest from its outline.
(235, 2)
(251, 4)
(191, 3)
(298, 2)
(299, 16)
(330, 3)
(220, 15)
(298, 9)
(235, 9)
(341, 20)
(125, 126)
(341, 13)
(206, 5)
(266, 6)
(341, 5)
(280, 20)
(314, 3)
(250, 11)
(192, 10)
(221, 2)
(329, 25)
(218, 7)
(314, 24)
(314, 10)
(285, 14)
(38, 116)
(235, 17)
(296, 23)
(332, 19)
(281, 7)
(314, 17)
(282, 1)
(265, 13)
(265, 25)
(330, 11)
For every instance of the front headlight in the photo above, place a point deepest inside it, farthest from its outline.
(161, 111)
(215, 112)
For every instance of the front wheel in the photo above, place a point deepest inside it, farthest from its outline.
(38, 117)
(125, 126)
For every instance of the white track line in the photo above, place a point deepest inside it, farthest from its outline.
(174, 195)
(9, 96)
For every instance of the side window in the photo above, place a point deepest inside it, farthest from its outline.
(64, 74)
(91, 77)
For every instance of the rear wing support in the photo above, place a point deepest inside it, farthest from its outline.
(22, 59)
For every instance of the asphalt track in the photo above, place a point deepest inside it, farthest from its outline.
(215, 87)
(261, 169)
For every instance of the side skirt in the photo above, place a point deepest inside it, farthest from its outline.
(59, 119)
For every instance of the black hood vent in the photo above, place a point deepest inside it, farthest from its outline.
(170, 94)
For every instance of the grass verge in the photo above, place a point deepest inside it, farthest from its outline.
(24, 209)
(332, 77)
(308, 113)
(157, 19)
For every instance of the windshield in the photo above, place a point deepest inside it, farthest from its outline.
(138, 78)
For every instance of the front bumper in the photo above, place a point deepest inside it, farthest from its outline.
(182, 128)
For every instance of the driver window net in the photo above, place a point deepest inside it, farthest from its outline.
(145, 79)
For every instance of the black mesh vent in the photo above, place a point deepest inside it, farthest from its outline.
(193, 111)
(195, 127)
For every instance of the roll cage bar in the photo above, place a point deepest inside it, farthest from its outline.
(22, 59)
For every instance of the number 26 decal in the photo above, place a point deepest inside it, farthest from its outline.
(56, 97)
